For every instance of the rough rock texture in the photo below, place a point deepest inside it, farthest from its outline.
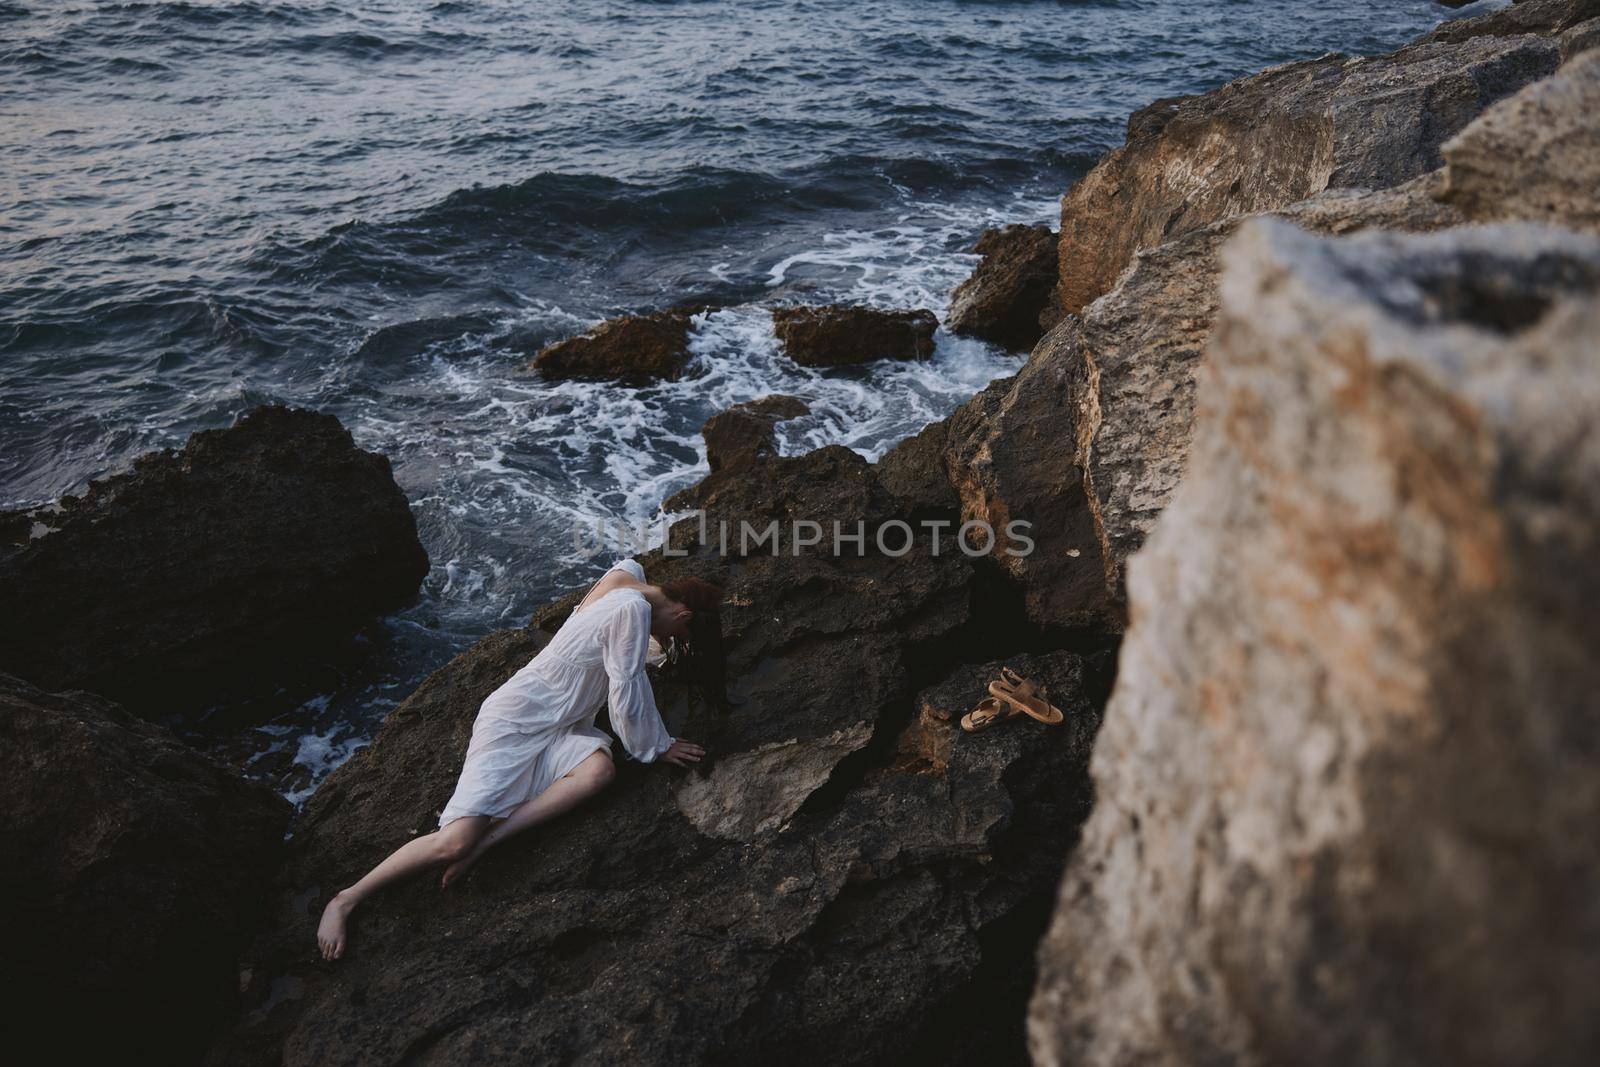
(915, 471)
(834, 335)
(1349, 778)
(827, 888)
(132, 871)
(1002, 299)
(204, 571)
(1144, 344)
(1269, 140)
(633, 349)
(1535, 156)
(1524, 16)
(739, 436)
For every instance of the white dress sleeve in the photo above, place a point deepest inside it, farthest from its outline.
(625, 638)
(632, 566)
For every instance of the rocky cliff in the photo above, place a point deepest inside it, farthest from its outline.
(1348, 778)
(1342, 778)
(1294, 131)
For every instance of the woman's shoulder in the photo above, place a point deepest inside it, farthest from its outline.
(632, 566)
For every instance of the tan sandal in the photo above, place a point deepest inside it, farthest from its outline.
(1030, 699)
(991, 711)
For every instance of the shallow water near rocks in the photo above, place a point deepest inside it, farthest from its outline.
(379, 210)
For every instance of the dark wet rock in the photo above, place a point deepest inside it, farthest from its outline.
(914, 471)
(833, 335)
(744, 433)
(1002, 299)
(209, 571)
(133, 871)
(633, 349)
(1267, 141)
(1348, 780)
(831, 884)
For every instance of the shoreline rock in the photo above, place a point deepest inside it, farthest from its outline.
(1266, 141)
(745, 433)
(631, 349)
(1333, 812)
(836, 335)
(211, 571)
(134, 872)
(1002, 300)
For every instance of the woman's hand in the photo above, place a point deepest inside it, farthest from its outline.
(683, 753)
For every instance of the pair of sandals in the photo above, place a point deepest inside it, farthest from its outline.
(1011, 695)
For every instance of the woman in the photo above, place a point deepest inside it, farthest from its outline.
(535, 749)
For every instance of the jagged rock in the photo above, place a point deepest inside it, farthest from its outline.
(914, 471)
(1288, 133)
(1348, 780)
(1523, 16)
(210, 570)
(1535, 156)
(1580, 38)
(632, 349)
(1002, 299)
(1088, 441)
(132, 869)
(834, 335)
(813, 891)
(1008, 455)
(744, 433)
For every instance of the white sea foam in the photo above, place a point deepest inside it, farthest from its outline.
(503, 467)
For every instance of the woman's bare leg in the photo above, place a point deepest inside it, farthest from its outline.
(446, 845)
(564, 794)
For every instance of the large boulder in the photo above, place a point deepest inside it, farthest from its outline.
(133, 872)
(834, 335)
(1090, 441)
(1349, 776)
(1288, 133)
(632, 349)
(208, 571)
(1008, 289)
(844, 879)
(746, 432)
(1534, 156)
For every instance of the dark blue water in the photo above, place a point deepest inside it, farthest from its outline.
(379, 209)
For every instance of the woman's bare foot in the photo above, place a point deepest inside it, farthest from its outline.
(331, 930)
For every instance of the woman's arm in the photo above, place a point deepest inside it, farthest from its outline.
(632, 703)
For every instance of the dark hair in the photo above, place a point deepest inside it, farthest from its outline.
(702, 662)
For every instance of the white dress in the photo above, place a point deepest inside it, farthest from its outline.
(539, 725)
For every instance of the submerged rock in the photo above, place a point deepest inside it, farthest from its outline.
(633, 349)
(1002, 299)
(1349, 776)
(1267, 141)
(744, 433)
(211, 570)
(133, 870)
(829, 885)
(834, 335)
